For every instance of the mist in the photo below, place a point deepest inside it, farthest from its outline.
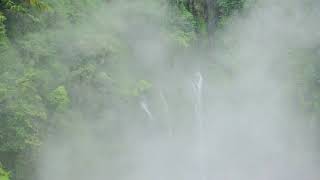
(223, 111)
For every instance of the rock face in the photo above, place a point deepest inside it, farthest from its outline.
(203, 9)
(212, 11)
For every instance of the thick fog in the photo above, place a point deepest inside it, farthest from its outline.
(222, 112)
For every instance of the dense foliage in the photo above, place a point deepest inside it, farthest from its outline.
(3, 174)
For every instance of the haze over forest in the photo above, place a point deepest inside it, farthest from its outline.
(159, 90)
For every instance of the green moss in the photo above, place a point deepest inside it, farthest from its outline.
(141, 87)
(4, 175)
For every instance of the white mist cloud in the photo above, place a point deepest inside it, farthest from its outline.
(249, 130)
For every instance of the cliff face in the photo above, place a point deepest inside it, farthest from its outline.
(204, 10)
(213, 12)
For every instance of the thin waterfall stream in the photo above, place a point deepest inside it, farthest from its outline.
(146, 109)
(166, 113)
(197, 85)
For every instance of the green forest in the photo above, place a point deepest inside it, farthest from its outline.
(67, 64)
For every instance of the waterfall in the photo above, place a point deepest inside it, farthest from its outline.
(200, 144)
(166, 113)
(197, 88)
(165, 102)
(146, 109)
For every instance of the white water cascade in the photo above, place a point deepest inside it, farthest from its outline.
(146, 109)
(166, 113)
(197, 85)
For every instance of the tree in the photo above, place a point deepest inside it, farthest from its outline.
(4, 175)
